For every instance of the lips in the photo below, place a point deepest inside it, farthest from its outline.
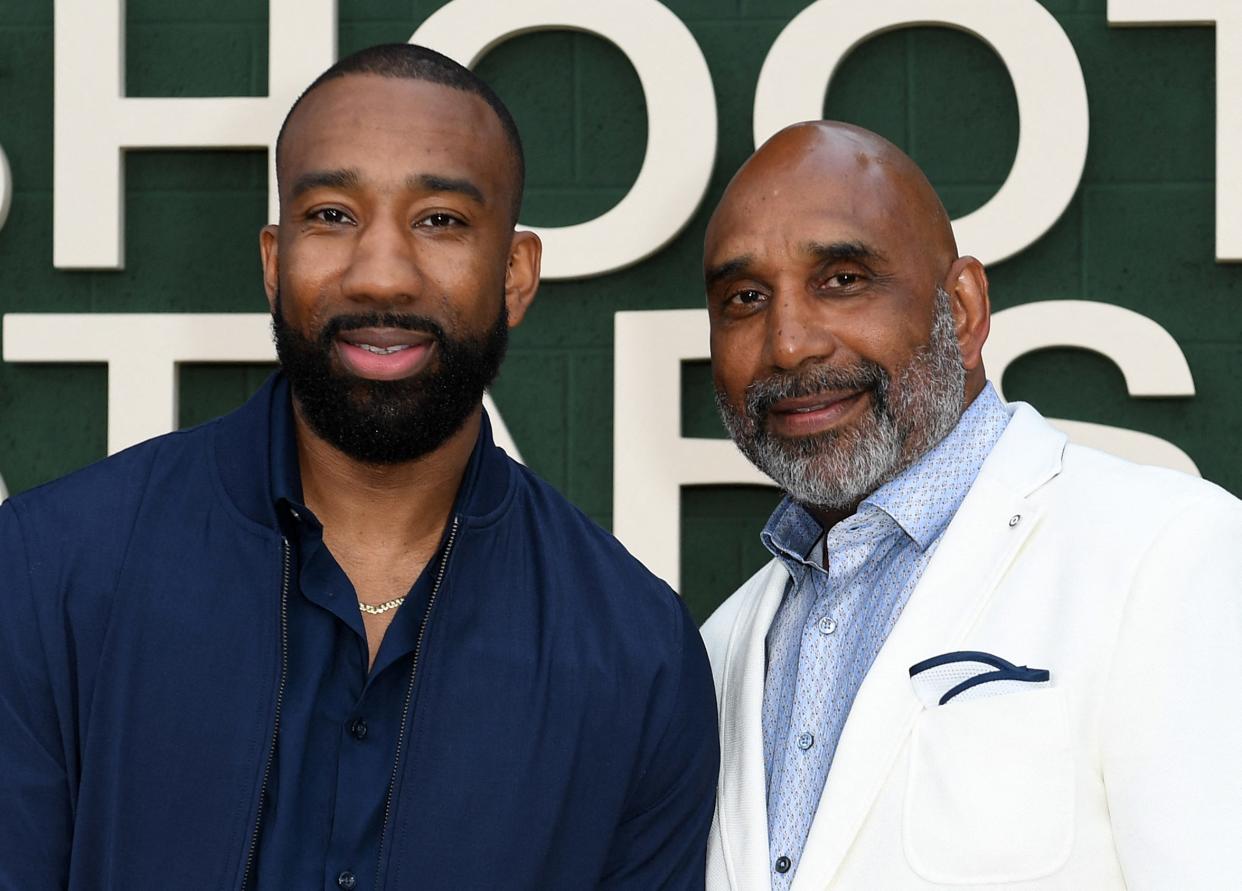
(384, 353)
(816, 413)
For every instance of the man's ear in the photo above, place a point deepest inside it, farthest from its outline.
(269, 251)
(522, 275)
(967, 286)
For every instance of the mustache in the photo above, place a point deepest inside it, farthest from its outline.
(406, 321)
(762, 394)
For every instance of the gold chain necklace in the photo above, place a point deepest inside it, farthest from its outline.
(380, 608)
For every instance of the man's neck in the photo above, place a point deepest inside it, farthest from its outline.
(827, 518)
(389, 506)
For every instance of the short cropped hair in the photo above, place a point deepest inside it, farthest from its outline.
(413, 62)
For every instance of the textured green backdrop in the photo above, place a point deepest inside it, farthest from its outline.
(1139, 233)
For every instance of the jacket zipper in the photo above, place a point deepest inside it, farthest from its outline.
(409, 695)
(280, 696)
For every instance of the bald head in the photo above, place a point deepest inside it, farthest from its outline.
(860, 174)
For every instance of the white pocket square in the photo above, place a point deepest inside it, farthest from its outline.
(966, 675)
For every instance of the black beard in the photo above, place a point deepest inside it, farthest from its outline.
(388, 422)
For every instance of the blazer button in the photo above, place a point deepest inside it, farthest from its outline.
(347, 880)
(358, 728)
(783, 865)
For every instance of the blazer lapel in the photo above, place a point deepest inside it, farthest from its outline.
(742, 800)
(977, 548)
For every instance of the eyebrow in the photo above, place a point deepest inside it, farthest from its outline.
(430, 182)
(727, 269)
(827, 252)
(349, 178)
(345, 178)
(843, 250)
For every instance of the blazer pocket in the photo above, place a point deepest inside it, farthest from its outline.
(990, 791)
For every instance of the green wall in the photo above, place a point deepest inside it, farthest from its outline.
(1139, 233)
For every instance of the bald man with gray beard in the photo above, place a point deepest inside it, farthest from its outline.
(979, 655)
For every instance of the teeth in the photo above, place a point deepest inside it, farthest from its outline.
(382, 351)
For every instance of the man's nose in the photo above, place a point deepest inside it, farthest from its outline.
(797, 331)
(383, 267)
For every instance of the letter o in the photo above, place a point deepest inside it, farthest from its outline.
(6, 191)
(1048, 81)
(681, 118)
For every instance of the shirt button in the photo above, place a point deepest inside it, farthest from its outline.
(347, 880)
(806, 740)
(827, 625)
(783, 864)
(358, 730)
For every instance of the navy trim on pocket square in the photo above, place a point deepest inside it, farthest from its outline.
(942, 678)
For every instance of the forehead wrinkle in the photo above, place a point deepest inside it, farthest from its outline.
(842, 250)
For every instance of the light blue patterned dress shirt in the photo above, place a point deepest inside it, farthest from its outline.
(837, 613)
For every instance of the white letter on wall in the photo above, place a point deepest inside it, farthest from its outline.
(1148, 356)
(6, 187)
(142, 352)
(652, 460)
(1047, 79)
(95, 122)
(1226, 15)
(681, 117)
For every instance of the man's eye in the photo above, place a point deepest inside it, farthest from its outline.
(439, 221)
(332, 215)
(844, 280)
(746, 297)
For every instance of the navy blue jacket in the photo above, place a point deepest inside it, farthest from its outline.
(561, 731)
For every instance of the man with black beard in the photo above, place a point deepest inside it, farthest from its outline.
(338, 639)
(980, 655)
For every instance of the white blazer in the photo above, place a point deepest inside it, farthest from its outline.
(1125, 582)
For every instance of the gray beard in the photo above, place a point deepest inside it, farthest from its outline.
(837, 469)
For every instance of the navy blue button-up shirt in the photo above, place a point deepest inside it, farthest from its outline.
(324, 810)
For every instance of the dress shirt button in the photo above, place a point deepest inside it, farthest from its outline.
(827, 625)
(358, 730)
(806, 740)
(347, 880)
(783, 865)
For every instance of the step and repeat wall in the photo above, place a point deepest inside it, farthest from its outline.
(1090, 153)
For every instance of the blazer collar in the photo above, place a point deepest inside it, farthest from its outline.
(742, 791)
(995, 518)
